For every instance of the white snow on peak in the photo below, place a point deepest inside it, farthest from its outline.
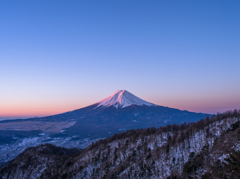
(122, 98)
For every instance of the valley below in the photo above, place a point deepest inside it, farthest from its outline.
(9, 151)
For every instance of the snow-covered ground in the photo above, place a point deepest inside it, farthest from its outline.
(122, 98)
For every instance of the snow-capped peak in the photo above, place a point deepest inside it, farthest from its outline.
(122, 98)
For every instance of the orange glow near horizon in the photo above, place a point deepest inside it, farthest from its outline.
(40, 110)
(30, 107)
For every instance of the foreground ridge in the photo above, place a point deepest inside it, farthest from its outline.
(197, 150)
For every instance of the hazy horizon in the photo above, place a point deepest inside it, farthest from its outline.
(206, 110)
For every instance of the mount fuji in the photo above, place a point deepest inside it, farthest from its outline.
(118, 112)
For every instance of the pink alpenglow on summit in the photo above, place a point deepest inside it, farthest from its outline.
(122, 98)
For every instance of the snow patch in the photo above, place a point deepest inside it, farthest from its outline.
(122, 99)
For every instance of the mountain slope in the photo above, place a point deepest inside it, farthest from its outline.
(34, 160)
(174, 151)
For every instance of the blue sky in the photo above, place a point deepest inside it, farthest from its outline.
(60, 55)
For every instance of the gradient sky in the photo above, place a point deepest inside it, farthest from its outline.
(57, 55)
